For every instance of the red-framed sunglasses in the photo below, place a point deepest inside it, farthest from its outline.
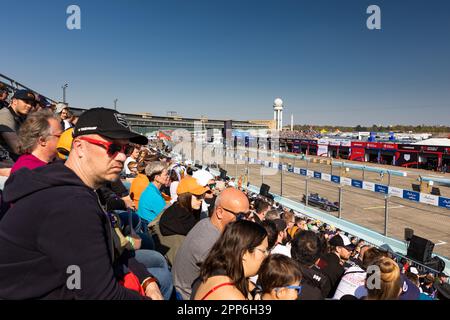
(111, 148)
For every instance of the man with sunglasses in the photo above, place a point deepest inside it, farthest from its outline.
(56, 240)
(206, 179)
(230, 205)
(11, 119)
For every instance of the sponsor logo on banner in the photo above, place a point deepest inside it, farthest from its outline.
(357, 183)
(326, 177)
(381, 188)
(444, 202)
(368, 186)
(297, 170)
(336, 179)
(309, 173)
(303, 172)
(429, 199)
(275, 165)
(284, 167)
(346, 181)
(396, 192)
(266, 164)
(317, 175)
(411, 195)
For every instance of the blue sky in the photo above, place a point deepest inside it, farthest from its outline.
(230, 59)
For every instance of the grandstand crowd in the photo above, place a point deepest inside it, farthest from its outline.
(300, 134)
(89, 195)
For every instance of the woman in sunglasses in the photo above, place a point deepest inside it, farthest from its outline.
(233, 259)
(178, 219)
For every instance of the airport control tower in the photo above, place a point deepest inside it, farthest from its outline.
(278, 113)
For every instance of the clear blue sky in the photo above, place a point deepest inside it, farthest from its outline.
(231, 59)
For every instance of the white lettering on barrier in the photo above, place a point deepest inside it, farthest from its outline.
(309, 173)
(346, 181)
(296, 170)
(326, 176)
(429, 199)
(275, 165)
(368, 186)
(396, 192)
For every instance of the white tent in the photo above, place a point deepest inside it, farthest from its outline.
(436, 142)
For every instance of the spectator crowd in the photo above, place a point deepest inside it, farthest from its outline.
(91, 210)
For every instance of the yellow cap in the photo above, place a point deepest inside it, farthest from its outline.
(65, 144)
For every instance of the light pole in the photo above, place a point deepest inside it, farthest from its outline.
(115, 103)
(64, 87)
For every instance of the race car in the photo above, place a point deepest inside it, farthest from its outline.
(317, 201)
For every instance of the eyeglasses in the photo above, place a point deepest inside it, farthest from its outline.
(298, 288)
(111, 148)
(266, 252)
(238, 214)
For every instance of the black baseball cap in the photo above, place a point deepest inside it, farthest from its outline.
(340, 240)
(108, 123)
(25, 95)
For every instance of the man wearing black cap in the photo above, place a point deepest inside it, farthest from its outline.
(41, 244)
(11, 119)
(331, 263)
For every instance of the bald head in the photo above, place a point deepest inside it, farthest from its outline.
(228, 205)
(233, 199)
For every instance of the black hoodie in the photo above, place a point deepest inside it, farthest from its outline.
(316, 285)
(55, 222)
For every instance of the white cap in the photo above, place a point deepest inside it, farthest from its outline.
(60, 107)
(414, 270)
(203, 177)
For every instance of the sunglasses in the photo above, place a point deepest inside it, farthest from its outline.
(111, 148)
(239, 215)
(298, 288)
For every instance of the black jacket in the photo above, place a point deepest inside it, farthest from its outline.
(329, 264)
(55, 222)
(177, 220)
(316, 285)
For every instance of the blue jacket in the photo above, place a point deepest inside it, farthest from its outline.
(151, 203)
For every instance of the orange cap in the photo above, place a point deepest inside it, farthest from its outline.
(190, 185)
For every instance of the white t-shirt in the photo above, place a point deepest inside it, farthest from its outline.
(353, 278)
(67, 125)
(284, 250)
